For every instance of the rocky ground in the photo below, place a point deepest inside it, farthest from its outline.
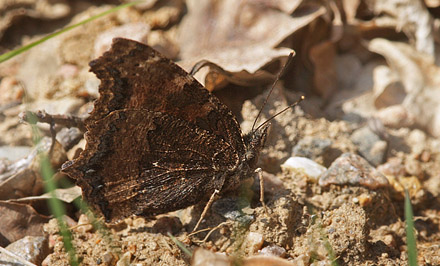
(335, 167)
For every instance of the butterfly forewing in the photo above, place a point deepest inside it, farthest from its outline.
(135, 76)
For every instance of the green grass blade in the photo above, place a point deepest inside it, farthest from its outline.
(9, 55)
(55, 205)
(410, 236)
(180, 245)
(57, 208)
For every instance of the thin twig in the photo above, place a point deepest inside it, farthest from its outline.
(65, 120)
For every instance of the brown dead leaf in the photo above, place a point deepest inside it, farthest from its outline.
(323, 55)
(18, 221)
(44, 9)
(325, 76)
(237, 35)
(218, 78)
(420, 78)
(67, 195)
(23, 178)
(409, 17)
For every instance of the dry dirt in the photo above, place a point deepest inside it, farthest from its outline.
(306, 222)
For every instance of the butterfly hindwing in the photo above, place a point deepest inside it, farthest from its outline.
(149, 172)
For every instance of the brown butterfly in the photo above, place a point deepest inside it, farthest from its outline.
(157, 140)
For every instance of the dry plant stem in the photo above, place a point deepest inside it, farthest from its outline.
(202, 63)
(210, 231)
(53, 134)
(258, 78)
(260, 176)
(52, 120)
(12, 255)
(65, 120)
(205, 210)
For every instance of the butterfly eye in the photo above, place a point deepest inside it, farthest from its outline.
(248, 156)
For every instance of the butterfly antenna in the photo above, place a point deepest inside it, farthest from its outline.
(289, 59)
(282, 111)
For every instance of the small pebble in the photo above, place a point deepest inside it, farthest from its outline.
(109, 258)
(310, 147)
(425, 156)
(84, 225)
(254, 241)
(371, 147)
(124, 260)
(30, 248)
(273, 250)
(412, 184)
(272, 183)
(417, 140)
(389, 240)
(395, 116)
(229, 208)
(138, 222)
(354, 170)
(364, 200)
(394, 166)
(413, 167)
(304, 165)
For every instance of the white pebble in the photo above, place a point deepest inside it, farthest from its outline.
(310, 168)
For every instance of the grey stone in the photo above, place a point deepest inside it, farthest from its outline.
(311, 148)
(352, 169)
(371, 147)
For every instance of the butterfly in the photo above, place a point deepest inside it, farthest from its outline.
(157, 140)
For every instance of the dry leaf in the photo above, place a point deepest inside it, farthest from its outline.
(236, 35)
(23, 178)
(420, 78)
(412, 18)
(325, 76)
(67, 195)
(13, 10)
(323, 57)
(19, 220)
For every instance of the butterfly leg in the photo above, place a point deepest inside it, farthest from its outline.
(205, 210)
(260, 176)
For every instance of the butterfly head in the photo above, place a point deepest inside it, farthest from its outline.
(254, 142)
